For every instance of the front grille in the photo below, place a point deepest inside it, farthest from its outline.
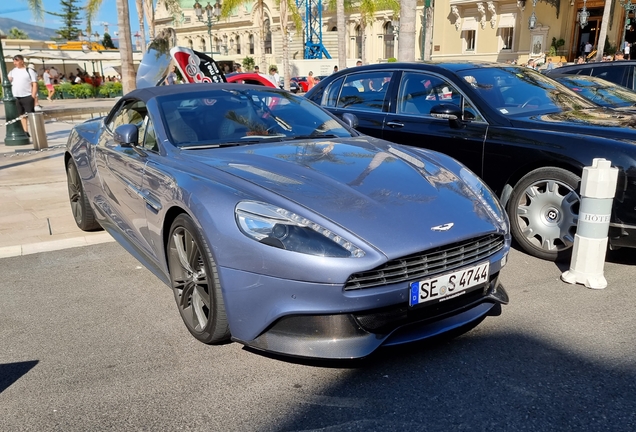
(428, 263)
(386, 320)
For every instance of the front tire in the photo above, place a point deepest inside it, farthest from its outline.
(543, 210)
(195, 282)
(81, 208)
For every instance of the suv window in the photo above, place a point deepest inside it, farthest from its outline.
(364, 91)
(420, 92)
(615, 74)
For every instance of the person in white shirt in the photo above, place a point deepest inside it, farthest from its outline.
(24, 85)
(273, 75)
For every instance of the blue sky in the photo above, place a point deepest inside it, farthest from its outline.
(107, 13)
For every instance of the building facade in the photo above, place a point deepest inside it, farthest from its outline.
(238, 36)
(518, 30)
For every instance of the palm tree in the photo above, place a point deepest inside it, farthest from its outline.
(142, 30)
(342, 34)
(368, 8)
(406, 44)
(230, 5)
(125, 40)
(603, 36)
(16, 33)
(36, 8)
(288, 10)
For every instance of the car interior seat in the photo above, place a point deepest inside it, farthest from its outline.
(238, 116)
(180, 131)
(349, 95)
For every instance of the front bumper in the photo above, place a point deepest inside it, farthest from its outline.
(357, 334)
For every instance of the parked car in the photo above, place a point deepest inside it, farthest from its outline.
(604, 93)
(279, 227)
(526, 135)
(293, 85)
(620, 72)
(249, 78)
(302, 83)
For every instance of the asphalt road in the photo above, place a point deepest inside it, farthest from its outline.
(91, 341)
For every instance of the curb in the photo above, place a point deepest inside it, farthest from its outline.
(33, 248)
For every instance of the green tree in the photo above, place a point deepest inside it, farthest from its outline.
(108, 42)
(70, 14)
(16, 33)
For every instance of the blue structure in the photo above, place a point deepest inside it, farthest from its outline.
(311, 10)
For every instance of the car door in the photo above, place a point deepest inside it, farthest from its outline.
(410, 121)
(363, 94)
(157, 186)
(120, 170)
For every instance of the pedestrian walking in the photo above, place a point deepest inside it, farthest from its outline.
(626, 50)
(24, 85)
(311, 82)
(48, 82)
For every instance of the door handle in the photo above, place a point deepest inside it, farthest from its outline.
(395, 124)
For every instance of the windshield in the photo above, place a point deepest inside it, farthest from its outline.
(220, 117)
(518, 91)
(599, 91)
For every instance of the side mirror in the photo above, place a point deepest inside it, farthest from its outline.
(126, 135)
(350, 119)
(451, 112)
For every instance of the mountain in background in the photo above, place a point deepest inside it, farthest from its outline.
(33, 31)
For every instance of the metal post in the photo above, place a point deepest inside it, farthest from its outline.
(15, 135)
(598, 187)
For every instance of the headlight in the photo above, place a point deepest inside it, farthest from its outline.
(283, 229)
(485, 196)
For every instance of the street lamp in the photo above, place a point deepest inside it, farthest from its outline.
(584, 15)
(532, 21)
(15, 134)
(629, 7)
(212, 14)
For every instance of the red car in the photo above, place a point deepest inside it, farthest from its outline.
(302, 83)
(249, 78)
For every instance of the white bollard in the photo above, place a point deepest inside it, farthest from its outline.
(598, 187)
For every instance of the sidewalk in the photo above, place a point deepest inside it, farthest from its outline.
(35, 214)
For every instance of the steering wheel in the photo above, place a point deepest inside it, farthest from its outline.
(533, 98)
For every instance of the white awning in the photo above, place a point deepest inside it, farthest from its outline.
(506, 20)
(469, 23)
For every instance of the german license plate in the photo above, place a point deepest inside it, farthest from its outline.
(449, 285)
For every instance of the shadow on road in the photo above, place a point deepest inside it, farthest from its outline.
(11, 372)
(475, 382)
(28, 161)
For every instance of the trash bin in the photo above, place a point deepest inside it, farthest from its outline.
(38, 132)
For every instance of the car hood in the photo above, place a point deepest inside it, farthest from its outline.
(385, 194)
(598, 121)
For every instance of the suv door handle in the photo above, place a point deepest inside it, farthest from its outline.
(395, 124)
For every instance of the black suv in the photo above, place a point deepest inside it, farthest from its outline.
(620, 72)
